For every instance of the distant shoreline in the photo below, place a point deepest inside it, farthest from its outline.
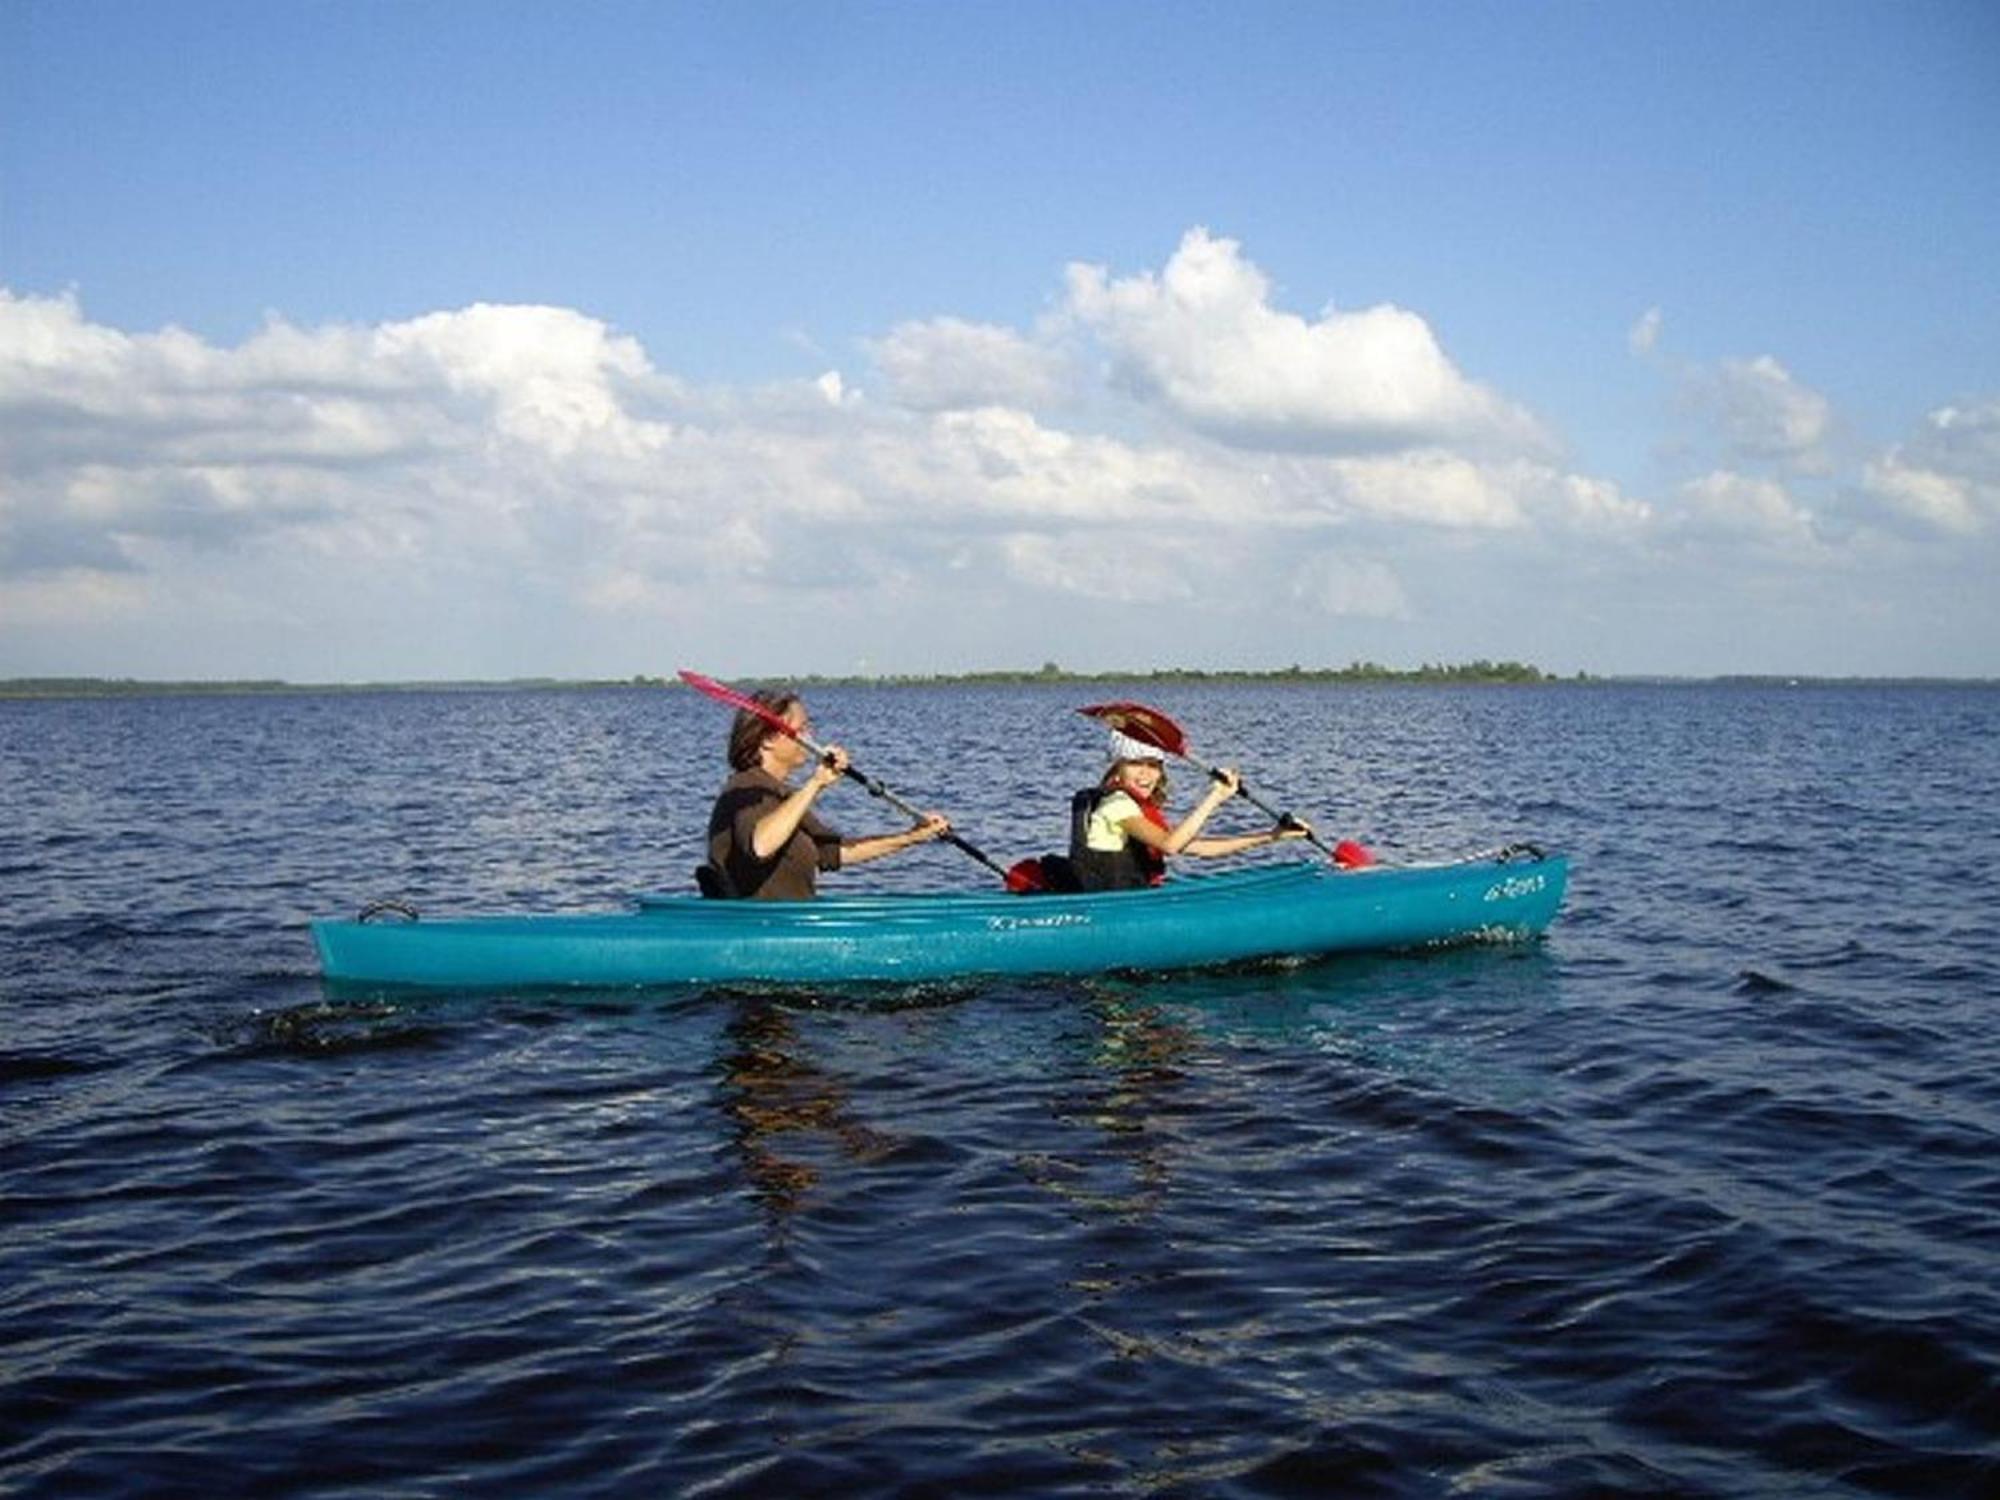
(1479, 673)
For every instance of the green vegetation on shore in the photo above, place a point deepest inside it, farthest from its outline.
(128, 687)
(1360, 671)
(1501, 673)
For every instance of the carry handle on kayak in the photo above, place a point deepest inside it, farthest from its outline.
(746, 704)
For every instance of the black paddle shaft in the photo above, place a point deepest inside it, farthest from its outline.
(877, 789)
(736, 700)
(1258, 802)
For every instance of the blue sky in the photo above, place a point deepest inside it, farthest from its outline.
(450, 339)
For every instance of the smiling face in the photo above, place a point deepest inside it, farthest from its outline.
(1140, 777)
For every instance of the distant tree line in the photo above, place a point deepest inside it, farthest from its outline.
(1358, 671)
(1478, 671)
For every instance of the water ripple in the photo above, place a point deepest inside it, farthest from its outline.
(1699, 1197)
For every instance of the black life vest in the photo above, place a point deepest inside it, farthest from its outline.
(1131, 868)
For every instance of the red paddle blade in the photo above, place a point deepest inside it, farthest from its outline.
(1147, 725)
(1352, 856)
(1025, 877)
(734, 699)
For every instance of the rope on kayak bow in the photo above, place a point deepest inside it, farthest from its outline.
(1508, 853)
(388, 906)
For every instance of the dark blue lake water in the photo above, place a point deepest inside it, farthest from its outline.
(1700, 1195)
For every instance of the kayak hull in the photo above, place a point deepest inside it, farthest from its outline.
(1271, 913)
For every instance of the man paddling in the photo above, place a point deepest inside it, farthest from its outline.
(764, 839)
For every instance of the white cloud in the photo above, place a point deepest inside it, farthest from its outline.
(549, 376)
(1140, 570)
(1005, 464)
(507, 489)
(1334, 583)
(1946, 477)
(1942, 501)
(1203, 340)
(1737, 505)
(1433, 487)
(451, 420)
(1765, 414)
(1582, 503)
(947, 362)
(543, 378)
(1449, 491)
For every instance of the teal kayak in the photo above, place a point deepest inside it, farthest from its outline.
(1271, 913)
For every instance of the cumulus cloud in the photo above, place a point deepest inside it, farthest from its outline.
(1946, 477)
(1582, 503)
(1943, 502)
(119, 444)
(1752, 413)
(947, 362)
(1738, 505)
(496, 477)
(1432, 487)
(1446, 491)
(1203, 339)
(1768, 414)
(509, 452)
(543, 376)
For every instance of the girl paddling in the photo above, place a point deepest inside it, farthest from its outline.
(1119, 834)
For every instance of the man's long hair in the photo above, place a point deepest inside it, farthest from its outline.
(747, 732)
